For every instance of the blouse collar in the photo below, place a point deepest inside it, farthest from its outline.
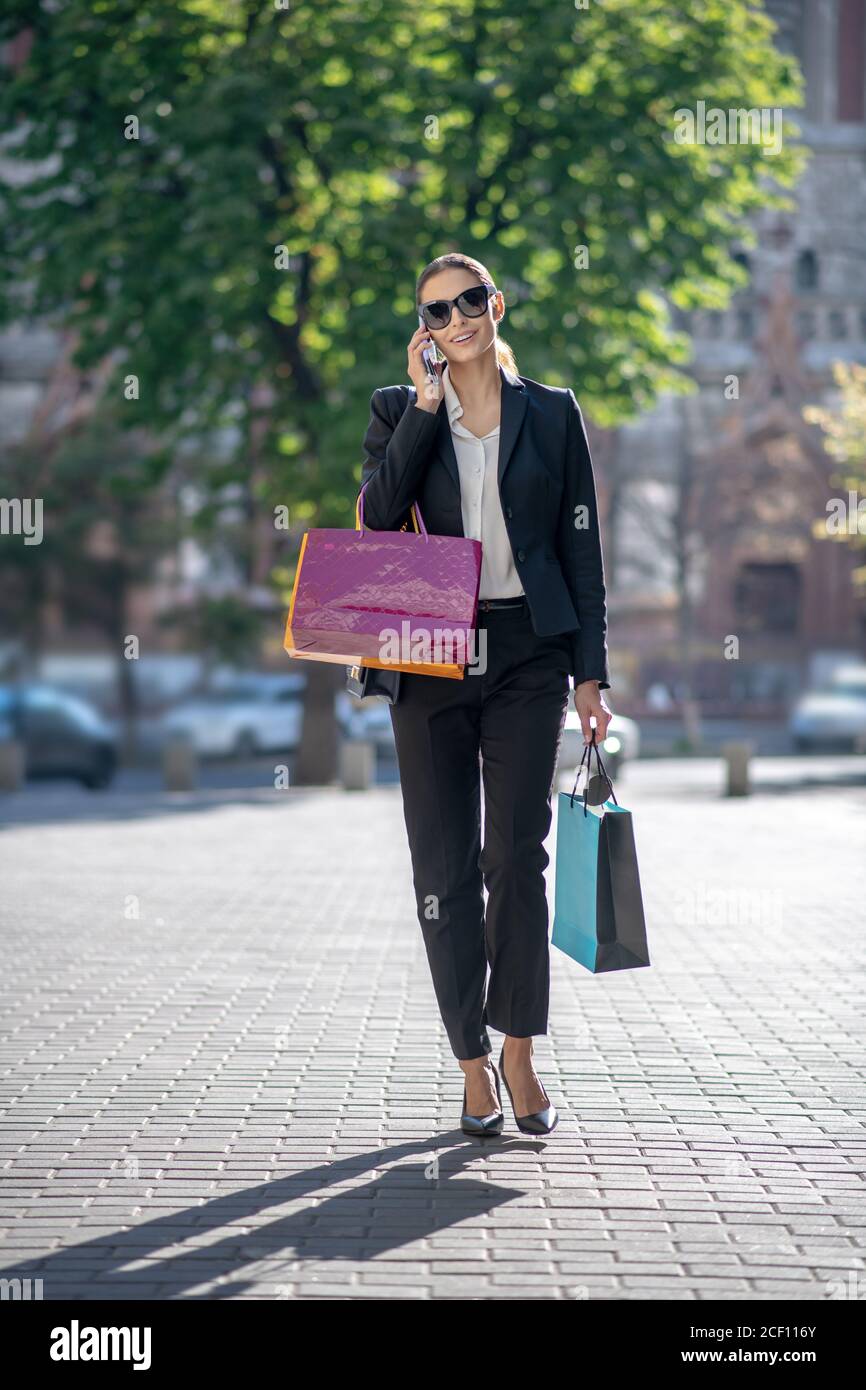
(452, 403)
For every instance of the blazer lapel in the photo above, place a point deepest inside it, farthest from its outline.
(513, 409)
(445, 446)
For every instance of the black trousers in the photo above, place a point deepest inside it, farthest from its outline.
(500, 728)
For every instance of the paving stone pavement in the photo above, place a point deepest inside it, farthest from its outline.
(224, 1075)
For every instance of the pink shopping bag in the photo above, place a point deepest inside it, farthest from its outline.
(398, 600)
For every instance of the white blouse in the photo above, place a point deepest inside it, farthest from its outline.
(477, 463)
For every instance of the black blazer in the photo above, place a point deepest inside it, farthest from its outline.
(545, 475)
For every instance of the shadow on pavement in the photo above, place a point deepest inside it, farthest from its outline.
(406, 1203)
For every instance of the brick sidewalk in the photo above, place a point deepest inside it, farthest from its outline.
(224, 1074)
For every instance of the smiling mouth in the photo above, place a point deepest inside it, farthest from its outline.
(464, 337)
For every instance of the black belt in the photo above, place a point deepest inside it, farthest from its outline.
(486, 603)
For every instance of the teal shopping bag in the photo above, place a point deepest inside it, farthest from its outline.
(598, 916)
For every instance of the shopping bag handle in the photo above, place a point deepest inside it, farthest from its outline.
(415, 510)
(587, 754)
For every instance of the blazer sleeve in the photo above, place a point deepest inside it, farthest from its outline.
(396, 454)
(580, 554)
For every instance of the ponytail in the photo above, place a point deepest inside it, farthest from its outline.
(504, 356)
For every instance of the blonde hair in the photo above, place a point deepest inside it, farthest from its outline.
(504, 355)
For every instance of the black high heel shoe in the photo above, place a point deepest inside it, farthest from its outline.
(543, 1121)
(489, 1124)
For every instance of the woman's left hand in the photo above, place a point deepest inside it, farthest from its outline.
(589, 702)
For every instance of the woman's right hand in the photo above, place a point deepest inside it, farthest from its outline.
(428, 394)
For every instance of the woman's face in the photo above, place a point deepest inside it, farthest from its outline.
(464, 338)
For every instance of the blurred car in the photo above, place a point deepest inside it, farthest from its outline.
(63, 735)
(834, 716)
(370, 719)
(365, 719)
(252, 714)
(621, 744)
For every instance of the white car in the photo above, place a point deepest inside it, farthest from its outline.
(248, 715)
(622, 743)
(834, 716)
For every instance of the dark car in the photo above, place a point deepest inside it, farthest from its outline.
(63, 736)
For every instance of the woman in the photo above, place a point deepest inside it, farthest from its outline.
(502, 459)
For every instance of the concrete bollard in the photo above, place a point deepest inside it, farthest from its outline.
(737, 757)
(357, 764)
(13, 765)
(179, 765)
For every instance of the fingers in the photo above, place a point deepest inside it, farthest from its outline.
(416, 351)
(417, 362)
(585, 725)
(429, 391)
(420, 339)
(599, 713)
(603, 717)
(417, 343)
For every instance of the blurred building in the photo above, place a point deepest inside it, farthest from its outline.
(712, 499)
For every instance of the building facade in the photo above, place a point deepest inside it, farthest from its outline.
(720, 587)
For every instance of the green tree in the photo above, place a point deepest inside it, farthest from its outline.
(222, 628)
(108, 518)
(174, 145)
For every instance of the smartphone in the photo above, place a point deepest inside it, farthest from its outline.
(429, 355)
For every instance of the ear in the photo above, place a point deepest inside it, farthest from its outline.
(498, 303)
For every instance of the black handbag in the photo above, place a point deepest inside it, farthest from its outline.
(364, 681)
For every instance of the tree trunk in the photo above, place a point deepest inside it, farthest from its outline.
(683, 550)
(316, 763)
(690, 706)
(126, 684)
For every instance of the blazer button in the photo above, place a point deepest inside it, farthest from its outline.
(521, 554)
(508, 512)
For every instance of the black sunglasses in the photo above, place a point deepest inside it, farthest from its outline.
(472, 302)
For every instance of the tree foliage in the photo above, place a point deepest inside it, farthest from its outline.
(365, 139)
